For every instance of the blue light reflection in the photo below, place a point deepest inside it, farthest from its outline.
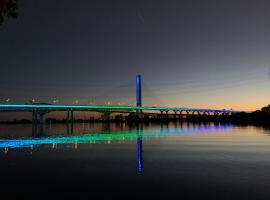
(124, 135)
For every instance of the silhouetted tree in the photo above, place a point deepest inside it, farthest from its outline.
(266, 109)
(8, 8)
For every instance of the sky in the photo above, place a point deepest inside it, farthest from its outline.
(190, 53)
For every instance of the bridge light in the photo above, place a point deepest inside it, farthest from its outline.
(55, 101)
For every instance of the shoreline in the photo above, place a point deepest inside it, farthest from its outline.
(242, 120)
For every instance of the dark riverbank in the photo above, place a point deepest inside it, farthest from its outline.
(255, 118)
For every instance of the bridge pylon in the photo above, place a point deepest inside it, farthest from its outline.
(138, 95)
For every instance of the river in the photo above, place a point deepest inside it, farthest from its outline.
(106, 160)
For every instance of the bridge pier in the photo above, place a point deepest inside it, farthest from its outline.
(34, 122)
(175, 114)
(68, 116)
(38, 122)
(70, 121)
(42, 122)
(106, 116)
(216, 113)
(180, 114)
(161, 114)
(187, 113)
(72, 116)
(164, 116)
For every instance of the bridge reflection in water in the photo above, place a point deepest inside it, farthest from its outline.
(138, 134)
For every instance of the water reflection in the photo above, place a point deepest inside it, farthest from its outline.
(139, 155)
(139, 149)
(108, 136)
(137, 133)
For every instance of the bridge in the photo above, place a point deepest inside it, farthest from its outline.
(39, 111)
(45, 108)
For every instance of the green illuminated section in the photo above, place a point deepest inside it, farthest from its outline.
(102, 107)
(127, 135)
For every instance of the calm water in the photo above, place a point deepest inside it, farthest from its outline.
(189, 161)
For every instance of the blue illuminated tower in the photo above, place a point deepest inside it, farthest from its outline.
(138, 90)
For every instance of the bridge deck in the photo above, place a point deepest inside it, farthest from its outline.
(54, 107)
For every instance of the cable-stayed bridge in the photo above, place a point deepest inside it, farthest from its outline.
(40, 110)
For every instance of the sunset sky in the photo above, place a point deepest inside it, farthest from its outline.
(190, 53)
